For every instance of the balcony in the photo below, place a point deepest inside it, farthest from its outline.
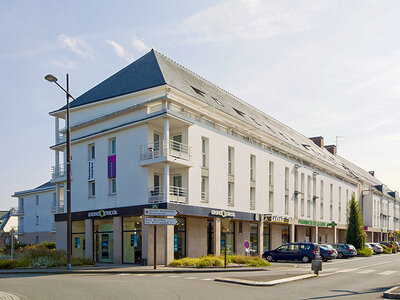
(204, 197)
(167, 150)
(17, 211)
(176, 194)
(58, 172)
(20, 229)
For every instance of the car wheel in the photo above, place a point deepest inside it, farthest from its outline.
(325, 260)
(270, 258)
(305, 259)
(340, 255)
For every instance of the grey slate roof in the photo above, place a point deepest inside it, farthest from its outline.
(45, 185)
(154, 69)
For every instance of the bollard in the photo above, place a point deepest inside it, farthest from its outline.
(316, 266)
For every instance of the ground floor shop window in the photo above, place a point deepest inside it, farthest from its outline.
(266, 237)
(180, 238)
(308, 235)
(228, 238)
(132, 240)
(103, 233)
(285, 234)
(210, 237)
(253, 238)
(78, 239)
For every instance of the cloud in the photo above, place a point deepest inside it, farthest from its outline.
(139, 45)
(78, 46)
(242, 19)
(121, 51)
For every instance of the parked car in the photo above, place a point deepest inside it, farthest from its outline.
(390, 245)
(345, 250)
(367, 245)
(376, 247)
(327, 252)
(294, 251)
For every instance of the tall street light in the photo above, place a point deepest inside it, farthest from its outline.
(52, 78)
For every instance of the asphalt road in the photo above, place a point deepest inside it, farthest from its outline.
(356, 278)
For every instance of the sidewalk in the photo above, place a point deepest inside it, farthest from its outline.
(137, 269)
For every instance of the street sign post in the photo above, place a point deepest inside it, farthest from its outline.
(160, 212)
(159, 221)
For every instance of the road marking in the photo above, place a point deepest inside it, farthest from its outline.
(331, 269)
(124, 274)
(366, 271)
(207, 279)
(141, 274)
(157, 275)
(387, 273)
(346, 270)
(173, 276)
(190, 277)
(7, 296)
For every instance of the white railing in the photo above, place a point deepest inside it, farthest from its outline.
(61, 207)
(59, 171)
(156, 194)
(61, 139)
(204, 197)
(20, 228)
(164, 148)
(230, 201)
(14, 211)
(176, 194)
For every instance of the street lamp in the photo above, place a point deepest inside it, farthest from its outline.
(52, 78)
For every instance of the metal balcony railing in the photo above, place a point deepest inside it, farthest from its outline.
(176, 194)
(14, 211)
(230, 201)
(57, 172)
(164, 148)
(204, 197)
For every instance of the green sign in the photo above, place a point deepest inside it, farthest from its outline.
(312, 223)
(332, 224)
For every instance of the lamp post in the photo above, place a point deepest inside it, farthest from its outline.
(52, 78)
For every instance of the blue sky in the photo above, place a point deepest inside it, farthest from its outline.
(329, 68)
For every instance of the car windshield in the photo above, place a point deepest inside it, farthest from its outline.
(329, 247)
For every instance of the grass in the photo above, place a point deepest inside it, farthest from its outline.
(43, 255)
(212, 261)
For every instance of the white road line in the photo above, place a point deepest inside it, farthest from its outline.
(141, 274)
(157, 275)
(124, 274)
(174, 276)
(331, 269)
(206, 279)
(190, 277)
(366, 271)
(346, 270)
(387, 273)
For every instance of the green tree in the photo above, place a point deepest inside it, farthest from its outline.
(355, 230)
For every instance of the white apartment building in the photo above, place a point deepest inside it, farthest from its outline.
(156, 133)
(36, 210)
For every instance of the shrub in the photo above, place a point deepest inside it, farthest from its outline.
(81, 261)
(212, 261)
(365, 252)
(48, 245)
(8, 263)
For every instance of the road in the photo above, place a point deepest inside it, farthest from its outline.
(355, 278)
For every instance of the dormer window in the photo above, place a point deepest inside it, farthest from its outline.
(239, 112)
(255, 121)
(216, 100)
(201, 93)
(270, 128)
(305, 146)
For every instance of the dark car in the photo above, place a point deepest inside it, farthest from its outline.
(327, 252)
(390, 245)
(345, 250)
(294, 251)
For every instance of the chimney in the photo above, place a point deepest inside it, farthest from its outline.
(372, 173)
(331, 149)
(318, 140)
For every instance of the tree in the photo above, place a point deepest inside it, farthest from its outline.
(355, 230)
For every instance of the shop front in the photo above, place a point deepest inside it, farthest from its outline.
(103, 232)
(276, 231)
(131, 240)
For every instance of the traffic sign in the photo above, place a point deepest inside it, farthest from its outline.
(247, 244)
(160, 212)
(160, 221)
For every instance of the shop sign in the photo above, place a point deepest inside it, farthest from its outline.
(312, 223)
(103, 213)
(276, 219)
(332, 224)
(160, 221)
(222, 213)
(112, 166)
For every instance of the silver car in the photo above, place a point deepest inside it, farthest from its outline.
(376, 247)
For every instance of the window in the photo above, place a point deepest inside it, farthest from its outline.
(271, 201)
(91, 152)
(231, 153)
(231, 194)
(54, 203)
(340, 204)
(308, 196)
(204, 153)
(271, 186)
(112, 186)
(286, 191)
(21, 205)
(271, 173)
(286, 204)
(314, 202)
(204, 189)
(112, 146)
(302, 195)
(37, 220)
(331, 202)
(321, 212)
(218, 102)
(201, 93)
(252, 198)
(240, 113)
(92, 189)
(37, 200)
(252, 167)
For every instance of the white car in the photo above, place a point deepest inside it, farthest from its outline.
(376, 247)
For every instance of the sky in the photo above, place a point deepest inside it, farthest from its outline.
(324, 68)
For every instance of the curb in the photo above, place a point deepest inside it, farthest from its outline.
(265, 283)
(55, 272)
(389, 294)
